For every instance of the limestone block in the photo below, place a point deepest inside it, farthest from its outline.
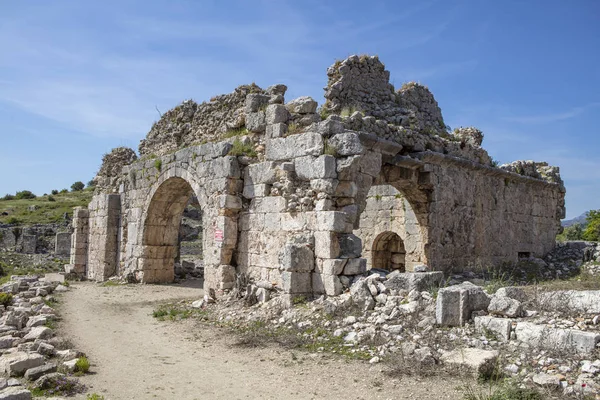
(347, 144)
(370, 163)
(322, 167)
(229, 202)
(584, 301)
(29, 244)
(15, 393)
(346, 189)
(255, 121)
(255, 101)
(296, 282)
(302, 144)
(272, 222)
(505, 306)
(264, 172)
(225, 167)
(333, 266)
(334, 221)
(276, 130)
(276, 113)
(252, 191)
(350, 246)
(302, 105)
(271, 204)
(328, 284)
(326, 186)
(326, 244)
(296, 258)
(355, 266)
(62, 244)
(15, 364)
(571, 340)
(34, 373)
(482, 363)
(225, 273)
(501, 327)
(456, 303)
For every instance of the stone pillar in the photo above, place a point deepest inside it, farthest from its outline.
(62, 245)
(29, 244)
(105, 214)
(79, 242)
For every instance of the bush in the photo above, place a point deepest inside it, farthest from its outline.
(54, 192)
(91, 184)
(24, 194)
(77, 186)
(592, 230)
(51, 198)
(6, 299)
(573, 232)
(82, 365)
(64, 191)
(158, 164)
(8, 197)
(12, 221)
(94, 396)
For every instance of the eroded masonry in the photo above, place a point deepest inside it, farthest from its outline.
(308, 198)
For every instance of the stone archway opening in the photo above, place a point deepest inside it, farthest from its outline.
(162, 231)
(190, 261)
(388, 252)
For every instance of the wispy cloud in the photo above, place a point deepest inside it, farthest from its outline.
(560, 116)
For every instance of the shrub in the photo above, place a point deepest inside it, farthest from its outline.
(592, 230)
(51, 198)
(6, 299)
(241, 149)
(573, 232)
(12, 221)
(82, 365)
(54, 192)
(91, 184)
(8, 197)
(64, 191)
(94, 396)
(24, 194)
(158, 164)
(77, 186)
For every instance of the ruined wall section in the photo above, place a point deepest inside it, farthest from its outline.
(109, 175)
(388, 210)
(484, 216)
(191, 123)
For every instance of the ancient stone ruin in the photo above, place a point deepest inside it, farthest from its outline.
(308, 198)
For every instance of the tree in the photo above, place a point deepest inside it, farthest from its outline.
(54, 192)
(91, 183)
(573, 232)
(592, 230)
(77, 186)
(24, 194)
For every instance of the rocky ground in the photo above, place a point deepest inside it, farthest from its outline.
(395, 335)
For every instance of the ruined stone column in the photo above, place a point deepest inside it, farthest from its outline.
(79, 242)
(105, 213)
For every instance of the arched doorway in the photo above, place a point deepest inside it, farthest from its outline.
(388, 252)
(161, 230)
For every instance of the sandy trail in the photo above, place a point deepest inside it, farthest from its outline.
(134, 356)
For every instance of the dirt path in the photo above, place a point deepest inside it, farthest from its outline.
(136, 357)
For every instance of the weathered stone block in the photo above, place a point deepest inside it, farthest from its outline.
(255, 122)
(321, 167)
(276, 130)
(276, 113)
(296, 282)
(252, 191)
(15, 364)
(333, 266)
(62, 244)
(350, 245)
(302, 144)
(271, 204)
(334, 221)
(326, 245)
(297, 258)
(15, 393)
(328, 284)
(419, 281)
(571, 340)
(482, 363)
(456, 303)
(347, 144)
(302, 105)
(500, 327)
(355, 266)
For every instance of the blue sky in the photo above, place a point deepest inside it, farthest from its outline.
(79, 78)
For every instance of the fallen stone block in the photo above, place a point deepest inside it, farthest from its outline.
(456, 303)
(505, 306)
(419, 281)
(38, 332)
(570, 340)
(482, 363)
(35, 373)
(16, 364)
(500, 327)
(15, 393)
(577, 301)
(547, 381)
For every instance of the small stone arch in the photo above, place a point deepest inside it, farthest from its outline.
(388, 252)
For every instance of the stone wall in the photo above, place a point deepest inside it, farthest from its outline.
(308, 201)
(32, 239)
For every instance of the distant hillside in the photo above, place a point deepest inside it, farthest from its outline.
(577, 220)
(43, 209)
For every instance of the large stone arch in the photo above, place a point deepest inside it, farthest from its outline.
(397, 203)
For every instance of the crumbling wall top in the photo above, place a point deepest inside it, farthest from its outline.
(112, 165)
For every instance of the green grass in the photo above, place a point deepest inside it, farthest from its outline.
(110, 284)
(82, 365)
(506, 390)
(241, 149)
(236, 132)
(47, 211)
(7, 270)
(175, 312)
